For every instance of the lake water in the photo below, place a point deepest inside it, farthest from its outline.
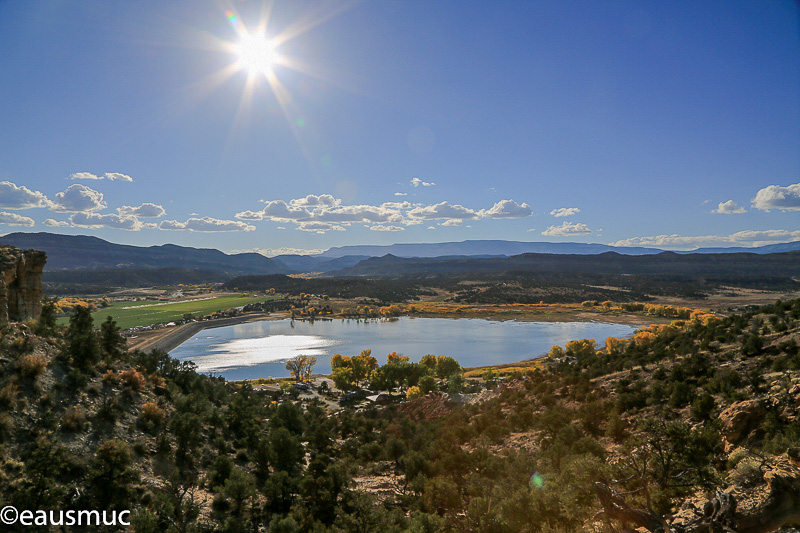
(260, 349)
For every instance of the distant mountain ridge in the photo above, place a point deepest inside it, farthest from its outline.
(510, 248)
(779, 265)
(481, 248)
(81, 252)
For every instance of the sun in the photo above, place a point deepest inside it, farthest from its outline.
(256, 53)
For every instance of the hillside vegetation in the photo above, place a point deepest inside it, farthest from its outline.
(645, 429)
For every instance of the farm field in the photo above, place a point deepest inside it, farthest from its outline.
(130, 314)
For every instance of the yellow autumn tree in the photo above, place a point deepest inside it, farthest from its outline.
(615, 345)
(395, 358)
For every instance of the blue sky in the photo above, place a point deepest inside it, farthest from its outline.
(669, 124)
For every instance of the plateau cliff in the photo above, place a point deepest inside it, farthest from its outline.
(20, 284)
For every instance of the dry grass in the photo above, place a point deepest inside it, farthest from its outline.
(31, 366)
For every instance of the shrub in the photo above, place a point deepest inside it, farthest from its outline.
(132, 379)
(108, 410)
(703, 406)
(31, 366)
(6, 426)
(413, 393)
(110, 378)
(747, 472)
(8, 394)
(151, 415)
(73, 420)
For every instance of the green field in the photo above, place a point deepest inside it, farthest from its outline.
(145, 312)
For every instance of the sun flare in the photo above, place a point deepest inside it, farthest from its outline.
(256, 53)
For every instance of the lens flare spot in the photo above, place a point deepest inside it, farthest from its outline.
(256, 53)
(537, 481)
(232, 17)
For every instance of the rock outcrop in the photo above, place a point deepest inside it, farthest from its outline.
(739, 418)
(20, 284)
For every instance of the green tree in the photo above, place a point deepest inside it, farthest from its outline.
(427, 384)
(80, 340)
(455, 383)
(429, 362)
(112, 343)
(343, 378)
(111, 478)
(47, 320)
(446, 366)
(287, 451)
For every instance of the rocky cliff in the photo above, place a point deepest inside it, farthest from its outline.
(20, 284)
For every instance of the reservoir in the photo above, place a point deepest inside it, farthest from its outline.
(260, 349)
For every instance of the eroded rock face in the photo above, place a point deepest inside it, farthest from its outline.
(739, 418)
(20, 284)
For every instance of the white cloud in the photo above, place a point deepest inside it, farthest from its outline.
(532, 229)
(272, 252)
(56, 223)
(314, 200)
(279, 211)
(85, 176)
(452, 222)
(442, 210)
(117, 176)
(78, 199)
(431, 227)
(399, 205)
(729, 208)
(741, 238)
(206, 225)
(13, 219)
(21, 197)
(330, 215)
(247, 215)
(566, 229)
(565, 211)
(319, 227)
(94, 220)
(765, 236)
(357, 213)
(381, 227)
(506, 209)
(777, 197)
(401, 194)
(416, 182)
(146, 210)
(111, 176)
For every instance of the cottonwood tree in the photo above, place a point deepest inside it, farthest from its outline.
(301, 366)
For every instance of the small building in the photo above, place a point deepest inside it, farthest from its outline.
(380, 399)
